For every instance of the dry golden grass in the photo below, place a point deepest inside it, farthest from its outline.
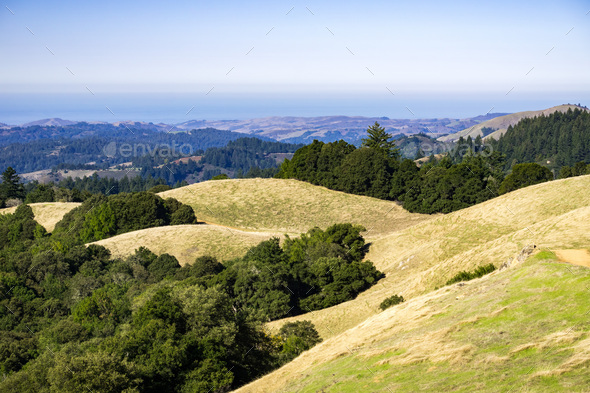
(289, 206)
(416, 260)
(47, 213)
(187, 242)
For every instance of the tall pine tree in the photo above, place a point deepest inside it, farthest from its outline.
(11, 186)
(380, 140)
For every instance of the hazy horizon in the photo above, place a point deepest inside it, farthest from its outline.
(152, 61)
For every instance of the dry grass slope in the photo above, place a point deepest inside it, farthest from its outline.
(187, 242)
(289, 206)
(508, 330)
(47, 213)
(416, 260)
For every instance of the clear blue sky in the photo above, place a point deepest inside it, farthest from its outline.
(410, 47)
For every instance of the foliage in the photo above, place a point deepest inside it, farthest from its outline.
(11, 186)
(297, 337)
(100, 217)
(378, 139)
(524, 175)
(466, 276)
(391, 301)
(555, 140)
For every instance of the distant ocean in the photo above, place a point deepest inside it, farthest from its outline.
(175, 108)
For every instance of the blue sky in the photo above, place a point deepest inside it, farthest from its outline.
(329, 48)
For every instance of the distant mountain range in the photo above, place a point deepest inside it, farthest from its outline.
(291, 129)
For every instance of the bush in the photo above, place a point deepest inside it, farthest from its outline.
(391, 301)
(466, 276)
(297, 337)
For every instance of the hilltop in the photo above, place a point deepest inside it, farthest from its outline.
(498, 125)
(47, 213)
(187, 242)
(289, 206)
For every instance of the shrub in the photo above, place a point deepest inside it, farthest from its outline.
(297, 337)
(466, 276)
(391, 301)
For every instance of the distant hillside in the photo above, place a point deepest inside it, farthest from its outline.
(56, 121)
(498, 125)
(333, 128)
(554, 140)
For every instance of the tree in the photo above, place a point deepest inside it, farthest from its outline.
(11, 186)
(380, 140)
(524, 175)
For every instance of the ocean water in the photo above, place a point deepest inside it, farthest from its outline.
(175, 108)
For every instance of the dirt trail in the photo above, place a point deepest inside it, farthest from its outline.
(576, 257)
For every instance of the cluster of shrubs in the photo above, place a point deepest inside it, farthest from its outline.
(102, 216)
(391, 301)
(466, 276)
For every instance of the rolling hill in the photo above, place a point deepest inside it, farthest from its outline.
(416, 260)
(187, 242)
(289, 206)
(501, 124)
(47, 213)
(509, 327)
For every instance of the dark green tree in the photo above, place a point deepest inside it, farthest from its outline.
(380, 140)
(524, 175)
(11, 186)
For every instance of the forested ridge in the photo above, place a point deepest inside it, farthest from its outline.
(561, 138)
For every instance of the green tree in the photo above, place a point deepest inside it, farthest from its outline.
(524, 175)
(380, 140)
(11, 186)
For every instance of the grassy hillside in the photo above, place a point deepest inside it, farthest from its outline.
(416, 260)
(187, 242)
(521, 329)
(47, 213)
(289, 206)
(500, 124)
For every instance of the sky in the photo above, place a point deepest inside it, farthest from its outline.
(290, 57)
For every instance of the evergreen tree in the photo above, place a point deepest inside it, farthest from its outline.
(11, 186)
(380, 140)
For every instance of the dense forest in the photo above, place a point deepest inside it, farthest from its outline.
(559, 139)
(73, 318)
(111, 146)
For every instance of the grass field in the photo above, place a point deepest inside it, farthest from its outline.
(521, 329)
(187, 242)
(47, 213)
(289, 206)
(420, 258)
